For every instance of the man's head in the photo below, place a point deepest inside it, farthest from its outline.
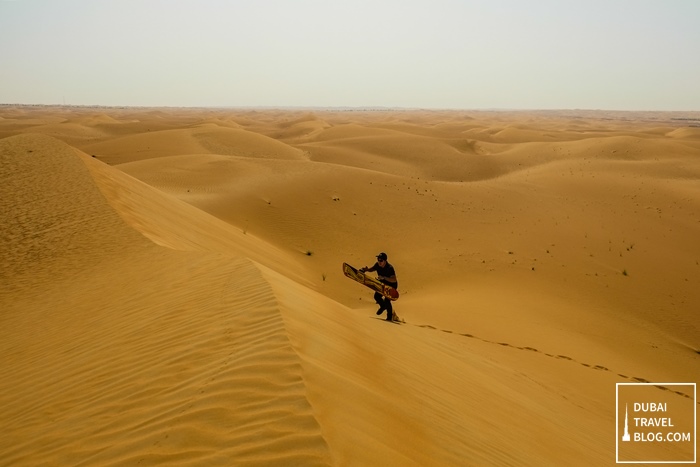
(381, 257)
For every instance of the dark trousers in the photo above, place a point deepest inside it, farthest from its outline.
(384, 304)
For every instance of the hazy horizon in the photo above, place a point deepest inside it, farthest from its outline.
(446, 54)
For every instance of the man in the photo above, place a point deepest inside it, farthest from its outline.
(386, 275)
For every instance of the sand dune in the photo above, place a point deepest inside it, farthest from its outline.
(171, 289)
(691, 133)
(139, 360)
(96, 119)
(208, 138)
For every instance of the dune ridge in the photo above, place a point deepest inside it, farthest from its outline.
(207, 377)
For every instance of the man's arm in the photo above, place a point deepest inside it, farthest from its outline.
(391, 278)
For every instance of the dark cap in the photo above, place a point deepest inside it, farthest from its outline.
(382, 256)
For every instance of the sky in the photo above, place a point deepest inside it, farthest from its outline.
(461, 54)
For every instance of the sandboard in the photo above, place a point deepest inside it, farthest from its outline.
(356, 275)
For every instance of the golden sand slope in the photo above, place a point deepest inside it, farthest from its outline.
(116, 350)
(202, 318)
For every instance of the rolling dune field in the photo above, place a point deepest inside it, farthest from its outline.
(171, 288)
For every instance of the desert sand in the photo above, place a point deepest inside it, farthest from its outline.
(171, 288)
